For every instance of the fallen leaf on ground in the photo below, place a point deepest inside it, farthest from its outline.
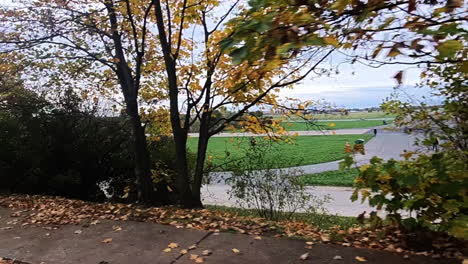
(325, 238)
(107, 240)
(167, 250)
(309, 243)
(258, 238)
(304, 256)
(235, 250)
(360, 259)
(192, 247)
(337, 257)
(193, 256)
(183, 251)
(173, 245)
(77, 232)
(69, 211)
(117, 228)
(206, 252)
(199, 260)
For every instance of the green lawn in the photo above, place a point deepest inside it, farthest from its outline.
(331, 178)
(305, 149)
(354, 115)
(320, 125)
(322, 221)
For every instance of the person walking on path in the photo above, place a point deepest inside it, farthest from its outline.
(375, 132)
(435, 145)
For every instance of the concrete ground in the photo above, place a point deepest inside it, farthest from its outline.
(143, 243)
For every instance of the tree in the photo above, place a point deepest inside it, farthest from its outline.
(121, 43)
(429, 34)
(96, 44)
(203, 80)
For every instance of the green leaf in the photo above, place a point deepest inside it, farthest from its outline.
(346, 163)
(238, 55)
(449, 48)
(226, 43)
(314, 40)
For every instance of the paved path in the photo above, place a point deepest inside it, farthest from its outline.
(142, 243)
(387, 144)
(340, 204)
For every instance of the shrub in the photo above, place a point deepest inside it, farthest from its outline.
(432, 188)
(273, 193)
(66, 151)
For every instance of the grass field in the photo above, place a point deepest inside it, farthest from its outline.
(353, 115)
(320, 125)
(321, 221)
(331, 178)
(305, 149)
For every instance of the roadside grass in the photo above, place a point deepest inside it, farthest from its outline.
(321, 221)
(343, 178)
(321, 125)
(303, 150)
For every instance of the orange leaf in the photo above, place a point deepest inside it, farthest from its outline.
(360, 259)
(107, 240)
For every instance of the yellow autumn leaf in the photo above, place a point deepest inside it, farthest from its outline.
(183, 251)
(332, 125)
(360, 259)
(107, 240)
(193, 247)
(206, 252)
(235, 250)
(199, 260)
(193, 256)
(331, 40)
(365, 167)
(173, 245)
(167, 250)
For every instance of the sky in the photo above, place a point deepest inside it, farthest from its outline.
(359, 86)
(355, 86)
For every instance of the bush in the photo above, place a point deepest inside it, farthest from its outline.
(432, 188)
(46, 149)
(273, 193)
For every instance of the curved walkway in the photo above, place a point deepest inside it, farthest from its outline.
(387, 144)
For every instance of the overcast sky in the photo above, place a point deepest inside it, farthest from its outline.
(358, 86)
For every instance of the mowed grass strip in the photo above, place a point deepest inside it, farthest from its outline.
(322, 221)
(305, 149)
(321, 125)
(331, 178)
(353, 115)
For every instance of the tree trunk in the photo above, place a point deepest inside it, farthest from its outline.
(203, 138)
(182, 180)
(145, 186)
(179, 132)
